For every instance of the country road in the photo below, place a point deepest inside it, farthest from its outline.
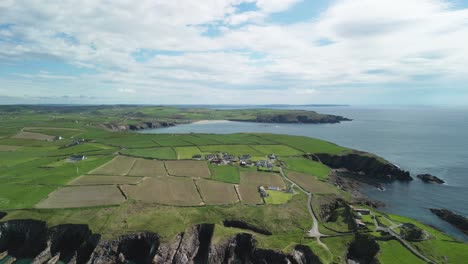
(314, 231)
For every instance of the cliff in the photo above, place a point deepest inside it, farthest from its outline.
(368, 166)
(139, 126)
(454, 219)
(76, 244)
(302, 117)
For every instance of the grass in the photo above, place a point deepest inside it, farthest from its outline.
(393, 252)
(225, 173)
(278, 150)
(311, 183)
(277, 197)
(308, 167)
(13, 196)
(187, 152)
(161, 153)
(214, 192)
(306, 144)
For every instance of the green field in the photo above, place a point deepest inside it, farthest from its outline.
(308, 167)
(162, 153)
(277, 197)
(187, 152)
(278, 150)
(305, 144)
(225, 173)
(393, 252)
(236, 150)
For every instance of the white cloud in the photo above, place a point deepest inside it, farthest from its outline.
(367, 42)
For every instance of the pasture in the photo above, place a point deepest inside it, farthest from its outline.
(148, 168)
(105, 180)
(18, 196)
(225, 173)
(277, 197)
(187, 152)
(82, 196)
(250, 181)
(165, 190)
(214, 192)
(311, 183)
(120, 165)
(306, 144)
(162, 153)
(55, 131)
(307, 166)
(188, 168)
(278, 150)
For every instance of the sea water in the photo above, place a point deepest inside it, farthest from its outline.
(419, 139)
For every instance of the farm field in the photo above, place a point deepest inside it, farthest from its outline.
(56, 131)
(225, 173)
(9, 148)
(165, 190)
(311, 183)
(188, 168)
(278, 150)
(277, 197)
(308, 167)
(250, 181)
(187, 152)
(120, 165)
(148, 168)
(18, 196)
(305, 144)
(393, 252)
(82, 196)
(162, 153)
(33, 136)
(105, 180)
(214, 192)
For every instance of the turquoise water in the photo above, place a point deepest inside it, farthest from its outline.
(419, 139)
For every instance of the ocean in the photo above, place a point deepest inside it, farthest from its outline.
(419, 139)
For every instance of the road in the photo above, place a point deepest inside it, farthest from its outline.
(314, 231)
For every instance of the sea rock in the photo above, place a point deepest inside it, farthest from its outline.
(459, 221)
(430, 178)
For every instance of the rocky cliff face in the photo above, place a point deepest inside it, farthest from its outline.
(366, 165)
(134, 127)
(77, 244)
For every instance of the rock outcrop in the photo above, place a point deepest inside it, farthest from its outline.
(429, 178)
(367, 166)
(413, 233)
(134, 248)
(363, 250)
(2, 214)
(139, 126)
(247, 226)
(23, 238)
(454, 219)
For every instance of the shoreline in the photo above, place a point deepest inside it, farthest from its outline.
(206, 121)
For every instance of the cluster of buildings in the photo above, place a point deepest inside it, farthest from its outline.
(244, 160)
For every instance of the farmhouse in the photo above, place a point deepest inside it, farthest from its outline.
(359, 223)
(77, 158)
(272, 156)
(264, 164)
(210, 157)
(229, 157)
(215, 161)
(274, 188)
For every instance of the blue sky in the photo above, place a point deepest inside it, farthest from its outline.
(235, 52)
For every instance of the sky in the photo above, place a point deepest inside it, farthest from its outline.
(234, 52)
